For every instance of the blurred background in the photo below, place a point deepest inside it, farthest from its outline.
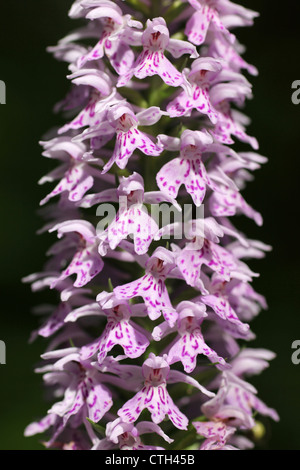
(35, 82)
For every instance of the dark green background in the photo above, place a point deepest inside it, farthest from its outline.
(35, 82)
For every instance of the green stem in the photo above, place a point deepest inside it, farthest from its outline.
(156, 8)
(139, 6)
(188, 440)
(174, 10)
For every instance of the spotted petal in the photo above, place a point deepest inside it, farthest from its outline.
(123, 333)
(154, 293)
(158, 401)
